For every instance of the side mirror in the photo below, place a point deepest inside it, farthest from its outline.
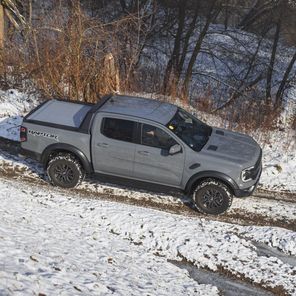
(175, 149)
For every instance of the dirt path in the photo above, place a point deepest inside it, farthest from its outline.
(186, 209)
(29, 171)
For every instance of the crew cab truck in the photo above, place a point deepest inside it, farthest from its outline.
(145, 140)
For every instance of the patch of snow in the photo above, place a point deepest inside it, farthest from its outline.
(13, 105)
(273, 209)
(279, 162)
(53, 243)
(278, 238)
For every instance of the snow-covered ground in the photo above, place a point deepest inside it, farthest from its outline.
(59, 244)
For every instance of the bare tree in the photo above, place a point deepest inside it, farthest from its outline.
(284, 82)
(280, 12)
(270, 68)
(258, 12)
(245, 83)
(172, 65)
(2, 26)
(213, 11)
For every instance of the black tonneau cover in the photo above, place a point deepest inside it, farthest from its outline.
(63, 114)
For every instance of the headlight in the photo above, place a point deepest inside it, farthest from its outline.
(247, 174)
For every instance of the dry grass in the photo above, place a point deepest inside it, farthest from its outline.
(243, 114)
(71, 55)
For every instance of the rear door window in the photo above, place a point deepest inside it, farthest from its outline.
(119, 129)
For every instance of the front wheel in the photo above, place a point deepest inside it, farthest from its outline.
(212, 197)
(64, 170)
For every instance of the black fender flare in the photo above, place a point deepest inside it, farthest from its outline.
(67, 148)
(213, 175)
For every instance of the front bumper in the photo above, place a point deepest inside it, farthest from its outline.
(247, 191)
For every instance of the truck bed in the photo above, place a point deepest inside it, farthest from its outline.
(61, 113)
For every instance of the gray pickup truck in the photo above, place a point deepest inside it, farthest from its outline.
(145, 140)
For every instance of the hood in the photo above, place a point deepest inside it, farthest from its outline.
(232, 146)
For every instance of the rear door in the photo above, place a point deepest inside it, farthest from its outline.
(152, 161)
(113, 147)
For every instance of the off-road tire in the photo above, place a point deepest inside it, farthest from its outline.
(212, 197)
(65, 170)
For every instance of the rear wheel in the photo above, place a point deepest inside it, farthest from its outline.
(64, 170)
(212, 197)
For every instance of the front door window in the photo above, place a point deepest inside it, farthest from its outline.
(156, 137)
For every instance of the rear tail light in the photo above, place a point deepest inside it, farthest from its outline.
(23, 134)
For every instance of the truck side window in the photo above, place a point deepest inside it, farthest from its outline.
(156, 137)
(118, 129)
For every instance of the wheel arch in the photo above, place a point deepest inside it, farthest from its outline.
(67, 148)
(196, 179)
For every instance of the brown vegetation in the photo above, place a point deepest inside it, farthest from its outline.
(84, 49)
(69, 56)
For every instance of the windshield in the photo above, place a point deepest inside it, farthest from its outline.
(189, 129)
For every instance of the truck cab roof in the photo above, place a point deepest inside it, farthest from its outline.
(157, 111)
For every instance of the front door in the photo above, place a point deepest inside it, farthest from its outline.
(152, 160)
(113, 149)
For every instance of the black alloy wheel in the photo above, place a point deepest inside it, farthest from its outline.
(212, 197)
(64, 170)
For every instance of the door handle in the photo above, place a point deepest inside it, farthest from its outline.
(103, 145)
(145, 153)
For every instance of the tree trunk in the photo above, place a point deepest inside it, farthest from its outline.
(250, 14)
(2, 29)
(272, 61)
(258, 10)
(281, 89)
(226, 15)
(211, 16)
(174, 59)
(123, 5)
(185, 45)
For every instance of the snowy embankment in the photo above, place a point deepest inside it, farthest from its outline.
(54, 243)
(279, 154)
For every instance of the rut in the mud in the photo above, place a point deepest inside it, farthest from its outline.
(231, 285)
(228, 286)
